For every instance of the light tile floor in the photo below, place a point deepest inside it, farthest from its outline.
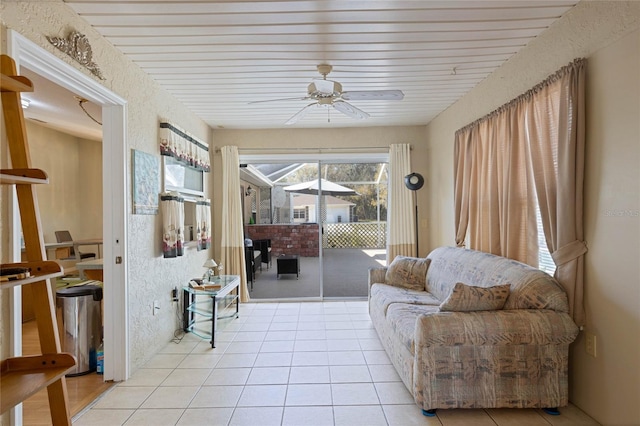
(293, 364)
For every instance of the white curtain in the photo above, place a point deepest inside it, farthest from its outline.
(400, 212)
(172, 206)
(203, 224)
(232, 235)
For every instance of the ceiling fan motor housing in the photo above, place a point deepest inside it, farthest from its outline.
(324, 69)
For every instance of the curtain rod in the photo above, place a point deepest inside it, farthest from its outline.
(371, 149)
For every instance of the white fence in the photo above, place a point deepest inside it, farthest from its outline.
(355, 235)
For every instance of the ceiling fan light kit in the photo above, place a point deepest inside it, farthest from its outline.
(329, 94)
(324, 88)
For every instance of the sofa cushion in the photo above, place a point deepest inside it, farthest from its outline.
(402, 318)
(407, 272)
(466, 298)
(531, 288)
(383, 295)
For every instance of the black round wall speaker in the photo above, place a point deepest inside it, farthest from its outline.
(414, 181)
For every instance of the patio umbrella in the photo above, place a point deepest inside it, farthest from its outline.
(312, 187)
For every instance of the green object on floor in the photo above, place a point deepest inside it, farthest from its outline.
(75, 281)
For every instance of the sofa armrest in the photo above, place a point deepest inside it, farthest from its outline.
(376, 275)
(498, 328)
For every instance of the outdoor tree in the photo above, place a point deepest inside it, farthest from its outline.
(364, 178)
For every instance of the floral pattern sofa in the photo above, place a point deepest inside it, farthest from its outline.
(509, 351)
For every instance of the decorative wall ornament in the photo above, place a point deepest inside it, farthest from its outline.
(77, 46)
(146, 182)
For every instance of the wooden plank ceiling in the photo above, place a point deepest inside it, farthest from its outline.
(217, 56)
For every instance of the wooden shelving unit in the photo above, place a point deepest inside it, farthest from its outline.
(38, 271)
(23, 176)
(22, 377)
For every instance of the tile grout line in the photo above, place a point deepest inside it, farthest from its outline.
(359, 336)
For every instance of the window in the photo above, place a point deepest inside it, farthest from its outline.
(182, 178)
(545, 261)
(185, 160)
(519, 142)
(299, 213)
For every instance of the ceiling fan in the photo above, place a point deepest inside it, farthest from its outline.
(329, 94)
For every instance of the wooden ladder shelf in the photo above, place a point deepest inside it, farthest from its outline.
(22, 377)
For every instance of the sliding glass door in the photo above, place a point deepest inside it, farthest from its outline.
(279, 223)
(353, 217)
(318, 225)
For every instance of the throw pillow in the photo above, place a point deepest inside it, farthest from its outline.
(465, 298)
(408, 272)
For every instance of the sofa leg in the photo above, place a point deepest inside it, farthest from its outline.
(552, 411)
(429, 413)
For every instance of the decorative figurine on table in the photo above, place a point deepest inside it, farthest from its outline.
(213, 269)
(210, 264)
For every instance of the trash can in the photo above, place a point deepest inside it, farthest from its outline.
(79, 315)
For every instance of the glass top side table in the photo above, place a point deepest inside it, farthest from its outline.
(212, 301)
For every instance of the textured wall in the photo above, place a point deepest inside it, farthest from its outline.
(589, 26)
(73, 198)
(606, 387)
(297, 140)
(611, 382)
(150, 277)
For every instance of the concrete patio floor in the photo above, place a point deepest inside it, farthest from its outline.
(345, 276)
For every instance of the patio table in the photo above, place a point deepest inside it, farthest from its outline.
(288, 264)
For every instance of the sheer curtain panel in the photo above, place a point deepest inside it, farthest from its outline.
(400, 213)
(232, 235)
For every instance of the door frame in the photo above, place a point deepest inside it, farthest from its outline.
(114, 141)
(319, 158)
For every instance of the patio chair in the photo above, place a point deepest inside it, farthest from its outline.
(252, 262)
(265, 250)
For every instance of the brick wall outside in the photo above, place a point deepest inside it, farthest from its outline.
(300, 239)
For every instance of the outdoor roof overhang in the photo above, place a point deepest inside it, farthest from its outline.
(270, 174)
(251, 174)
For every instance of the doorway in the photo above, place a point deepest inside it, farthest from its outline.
(29, 55)
(70, 203)
(329, 213)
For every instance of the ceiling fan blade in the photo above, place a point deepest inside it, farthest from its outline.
(281, 99)
(349, 110)
(298, 115)
(373, 95)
